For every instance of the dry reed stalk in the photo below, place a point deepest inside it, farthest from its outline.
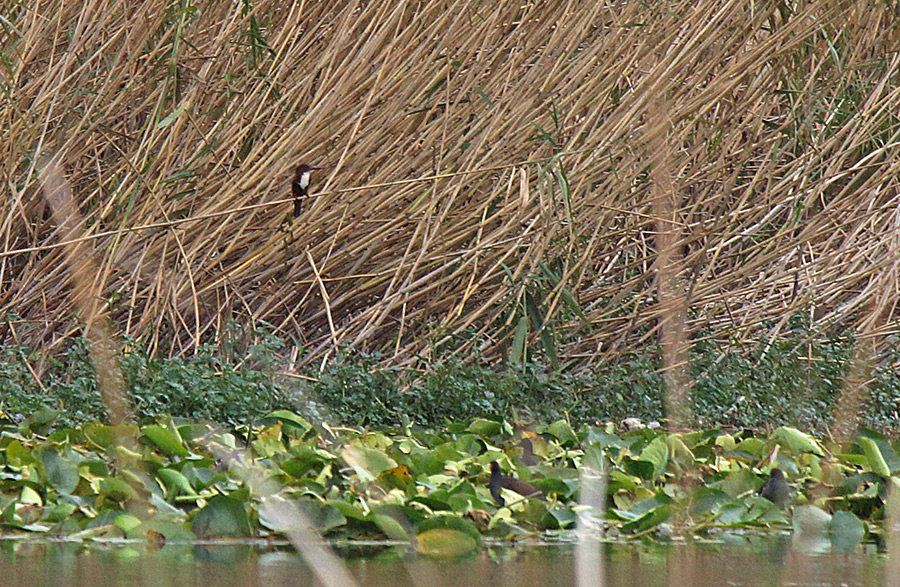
(476, 158)
(85, 291)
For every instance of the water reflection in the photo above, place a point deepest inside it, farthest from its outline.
(742, 561)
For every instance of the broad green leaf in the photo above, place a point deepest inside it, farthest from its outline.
(59, 512)
(445, 543)
(651, 519)
(846, 531)
(706, 500)
(116, 489)
(388, 524)
(726, 442)
(810, 519)
(222, 517)
(173, 478)
(287, 418)
(563, 432)
(167, 440)
(452, 522)
(100, 434)
(739, 482)
(62, 472)
(797, 441)
(484, 427)
(348, 510)
(17, 455)
(368, 463)
(875, 459)
(657, 452)
(126, 522)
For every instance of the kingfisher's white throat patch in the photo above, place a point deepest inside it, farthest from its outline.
(304, 179)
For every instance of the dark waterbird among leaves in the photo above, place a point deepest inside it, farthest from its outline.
(776, 489)
(527, 453)
(500, 481)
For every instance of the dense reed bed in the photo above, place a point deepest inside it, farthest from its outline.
(511, 175)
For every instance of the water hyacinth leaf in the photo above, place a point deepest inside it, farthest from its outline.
(17, 455)
(732, 514)
(484, 427)
(222, 517)
(61, 471)
(469, 444)
(321, 516)
(706, 500)
(846, 531)
(305, 459)
(603, 439)
(651, 519)
(887, 452)
(562, 430)
(348, 510)
(726, 442)
(167, 440)
(288, 419)
(875, 459)
(751, 446)
(679, 450)
(535, 512)
(738, 482)
(368, 463)
(642, 469)
(100, 434)
(565, 517)
(811, 519)
(426, 463)
(550, 485)
(445, 543)
(437, 501)
(657, 452)
(116, 489)
(59, 512)
(39, 422)
(390, 524)
(465, 502)
(619, 480)
(126, 522)
(397, 478)
(452, 522)
(175, 479)
(797, 441)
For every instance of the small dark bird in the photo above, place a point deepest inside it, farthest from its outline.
(776, 489)
(528, 453)
(301, 182)
(500, 481)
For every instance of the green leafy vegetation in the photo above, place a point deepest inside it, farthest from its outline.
(173, 480)
(792, 380)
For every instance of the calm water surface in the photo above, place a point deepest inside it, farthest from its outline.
(771, 561)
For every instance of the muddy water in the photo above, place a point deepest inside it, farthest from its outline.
(770, 561)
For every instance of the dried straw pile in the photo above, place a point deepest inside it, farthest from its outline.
(493, 168)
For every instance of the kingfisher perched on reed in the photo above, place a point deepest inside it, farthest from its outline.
(301, 182)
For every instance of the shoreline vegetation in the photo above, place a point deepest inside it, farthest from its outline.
(762, 384)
